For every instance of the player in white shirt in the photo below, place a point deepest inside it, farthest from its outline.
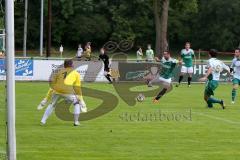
(215, 67)
(235, 69)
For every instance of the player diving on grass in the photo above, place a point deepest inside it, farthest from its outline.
(215, 67)
(187, 56)
(66, 84)
(167, 66)
(235, 70)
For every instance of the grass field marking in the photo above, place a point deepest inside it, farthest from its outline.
(218, 118)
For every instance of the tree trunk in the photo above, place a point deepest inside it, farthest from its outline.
(156, 8)
(161, 8)
(164, 26)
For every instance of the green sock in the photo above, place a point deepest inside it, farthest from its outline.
(212, 100)
(234, 93)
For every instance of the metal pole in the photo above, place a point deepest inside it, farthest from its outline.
(199, 54)
(25, 29)
(41, 29)
(49, 31)
(10, 49)
(4, 40)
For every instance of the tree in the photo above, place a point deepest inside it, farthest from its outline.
(172, 16)
(217, 25)
(156, 6)
(205, 23)
(161, 24)
(181, 20)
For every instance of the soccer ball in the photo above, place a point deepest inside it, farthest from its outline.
(140, 97)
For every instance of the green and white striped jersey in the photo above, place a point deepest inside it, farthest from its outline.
(187, 57)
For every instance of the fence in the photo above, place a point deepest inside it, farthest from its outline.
(93, 71)
(2, 40)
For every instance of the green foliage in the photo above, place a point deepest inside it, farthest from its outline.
(19, 25)
(132, 20)
(67, 8)
(94, 28)
(122, 27)
(180, 25)
(218, 24)
(206, 23)
(1, 14)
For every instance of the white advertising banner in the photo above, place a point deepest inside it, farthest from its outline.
(43, 69)
(89, 71)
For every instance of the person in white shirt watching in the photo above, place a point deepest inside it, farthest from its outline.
(79, 51)
(149, 54)
(139, 54)
(61, 50)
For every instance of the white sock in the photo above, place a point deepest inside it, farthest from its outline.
(76, 112)
(47, 113)
(76, 117)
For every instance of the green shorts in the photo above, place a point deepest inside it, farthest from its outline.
(236, 81)
(210, 87)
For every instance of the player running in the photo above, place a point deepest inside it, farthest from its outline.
(187, 56)
(215, 67)
(235, 69)
(168, 64)
(66, 84)
(104, 57)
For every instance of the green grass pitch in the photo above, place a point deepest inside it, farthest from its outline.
(211, 134)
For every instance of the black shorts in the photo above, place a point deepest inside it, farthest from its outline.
(106, 69)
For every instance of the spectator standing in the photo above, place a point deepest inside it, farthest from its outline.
(88, 51)
(79, 51)
(61, 50)
(139, 54)
(149, 54)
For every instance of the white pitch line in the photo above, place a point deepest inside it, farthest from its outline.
(218, 118)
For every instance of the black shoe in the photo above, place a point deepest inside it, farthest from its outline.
(222, 104)
(177, 85)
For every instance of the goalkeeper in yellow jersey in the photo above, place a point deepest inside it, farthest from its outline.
(46, 99)
(66, 84)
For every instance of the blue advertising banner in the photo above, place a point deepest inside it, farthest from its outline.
(23, 67)
(2, 67)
